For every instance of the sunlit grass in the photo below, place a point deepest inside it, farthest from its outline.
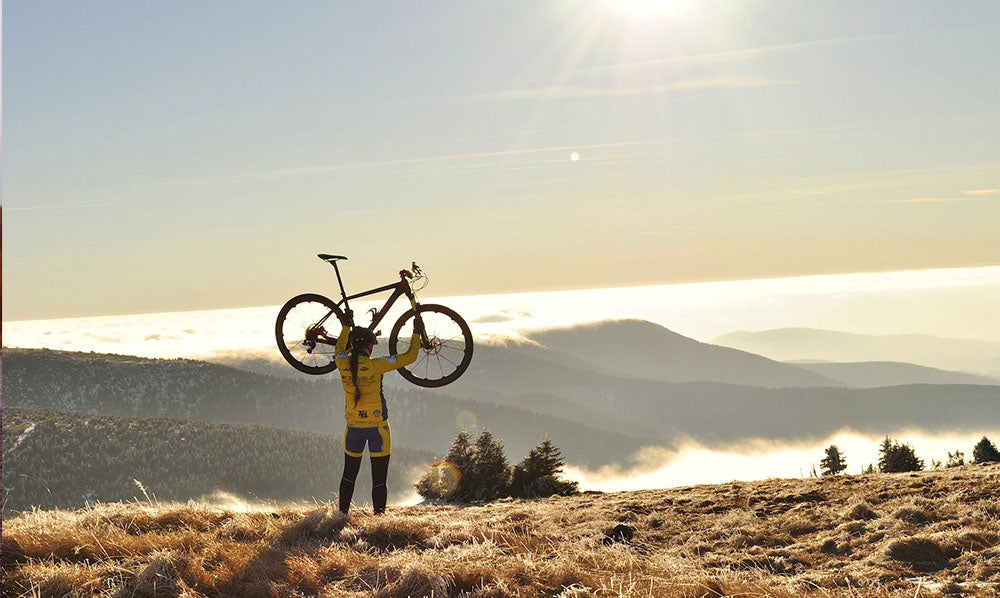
(876, 535)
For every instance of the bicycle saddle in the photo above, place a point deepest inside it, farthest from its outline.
(326, 257)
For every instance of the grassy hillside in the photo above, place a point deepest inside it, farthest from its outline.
(900, 535)
(53, 459)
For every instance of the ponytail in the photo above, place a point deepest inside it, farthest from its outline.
(359, 340)
(354, 375)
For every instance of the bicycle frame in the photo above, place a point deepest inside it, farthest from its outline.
(398, 290)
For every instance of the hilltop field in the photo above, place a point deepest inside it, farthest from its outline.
(916, 534)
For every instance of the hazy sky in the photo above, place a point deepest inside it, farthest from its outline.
(187, 155)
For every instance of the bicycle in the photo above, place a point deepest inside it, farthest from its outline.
(445, 338)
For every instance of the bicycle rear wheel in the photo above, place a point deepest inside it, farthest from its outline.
(305, 332)
(450, 346)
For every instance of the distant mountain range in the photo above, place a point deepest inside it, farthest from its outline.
(872, 374)
(643, 350)
(182, 388)
(521, 391)
(601, 392)
(640, 349)
(786, 344)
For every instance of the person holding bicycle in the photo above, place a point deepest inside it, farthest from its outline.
(365, 408)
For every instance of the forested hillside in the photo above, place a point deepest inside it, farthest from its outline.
(184, 388)
(53, 459)
(715, 411)
(132, 386)
(595, 418)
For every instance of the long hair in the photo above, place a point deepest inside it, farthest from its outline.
(354, 375)
(360, 340)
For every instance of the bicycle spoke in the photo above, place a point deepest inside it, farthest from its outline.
(440, 357)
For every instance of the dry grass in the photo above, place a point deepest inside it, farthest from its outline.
(925, 534)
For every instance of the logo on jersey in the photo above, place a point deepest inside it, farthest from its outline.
(362, 414)
(377, 413)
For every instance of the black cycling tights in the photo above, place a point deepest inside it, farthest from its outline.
(380, 470)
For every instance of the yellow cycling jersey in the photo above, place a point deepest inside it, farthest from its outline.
(370, 409)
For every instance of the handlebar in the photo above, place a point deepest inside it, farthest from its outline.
(408, 274)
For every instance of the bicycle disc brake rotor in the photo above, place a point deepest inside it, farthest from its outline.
(434, 346)
(313, 334)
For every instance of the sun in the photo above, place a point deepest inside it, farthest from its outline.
(649, 7)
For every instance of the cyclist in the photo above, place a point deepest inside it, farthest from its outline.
(365, 408)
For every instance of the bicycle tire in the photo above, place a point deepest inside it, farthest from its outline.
(459, 343)
(301, 313)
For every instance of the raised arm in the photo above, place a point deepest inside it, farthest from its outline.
(342, 340)
(394, 362)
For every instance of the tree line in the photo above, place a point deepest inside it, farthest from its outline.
(895, 457)
(477, 470)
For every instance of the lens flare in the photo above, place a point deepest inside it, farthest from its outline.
(445, 476)
(467, 420)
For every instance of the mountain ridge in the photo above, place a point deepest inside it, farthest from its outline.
(182, 388)
(873, 374)
(642, 349)
(785, 344)
(593, 417)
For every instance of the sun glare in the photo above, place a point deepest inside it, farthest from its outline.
(649, 7)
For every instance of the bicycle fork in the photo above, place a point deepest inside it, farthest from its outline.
(418, 324)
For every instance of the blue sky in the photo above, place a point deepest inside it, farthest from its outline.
(187, 155)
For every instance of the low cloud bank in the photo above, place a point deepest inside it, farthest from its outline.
(691, 462)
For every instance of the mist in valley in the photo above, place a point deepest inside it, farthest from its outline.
(691, 462)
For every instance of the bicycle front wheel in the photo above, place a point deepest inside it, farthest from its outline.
(448, 352)
(305, 332)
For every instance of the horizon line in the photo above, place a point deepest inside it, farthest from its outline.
(826, 275)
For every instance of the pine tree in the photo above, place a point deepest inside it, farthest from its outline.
(537, 475)
(985, 452)
(897, 457)
(449, 478)
(833, 463)
(884, 451)
(490, 472)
